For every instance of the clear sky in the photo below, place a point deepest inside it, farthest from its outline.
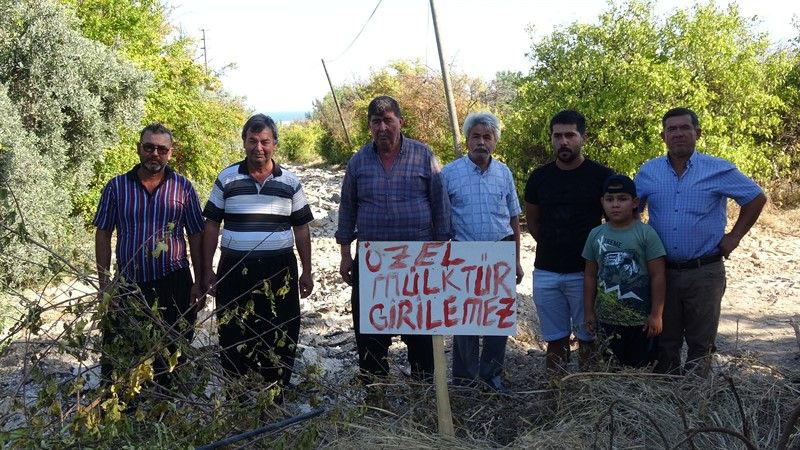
(276, 45)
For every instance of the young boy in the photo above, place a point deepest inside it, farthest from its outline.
(624, 279)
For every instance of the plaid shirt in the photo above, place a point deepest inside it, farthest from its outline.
(144, 220)
(483, 203)
(404, 204)
(689, 212)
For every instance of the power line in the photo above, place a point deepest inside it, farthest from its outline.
(359, 33)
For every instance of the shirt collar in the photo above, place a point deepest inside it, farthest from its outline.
(133, 174)
(475, 167)
(689, 162)
(276, 168)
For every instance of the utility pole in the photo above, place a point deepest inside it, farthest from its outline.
(443, 411)
(205, 57)
(448, 91)
(336, 102)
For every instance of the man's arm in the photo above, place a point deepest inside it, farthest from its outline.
(658, 294)
(515, 228)
(348, 205)
(102, 256)
(440, 204)
(196, 254)
(210, 236)
(302, 238)
(532, 216)
(589, 294)
(345, 231)
(748, 214)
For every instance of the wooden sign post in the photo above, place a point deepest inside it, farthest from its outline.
(438, 288)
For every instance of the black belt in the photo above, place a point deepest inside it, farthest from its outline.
(694, 263)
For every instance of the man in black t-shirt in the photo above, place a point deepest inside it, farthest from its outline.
(562, 204)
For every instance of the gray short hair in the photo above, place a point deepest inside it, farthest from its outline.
(482, 118)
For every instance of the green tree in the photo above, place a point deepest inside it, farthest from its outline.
(420, 93)
(205, 120)
(625, 71)
(62, 99)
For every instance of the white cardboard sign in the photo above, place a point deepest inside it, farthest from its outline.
(438, 288)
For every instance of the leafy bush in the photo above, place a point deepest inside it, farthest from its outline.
(300, 141)
(62, 99)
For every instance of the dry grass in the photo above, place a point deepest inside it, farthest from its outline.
(743, 405)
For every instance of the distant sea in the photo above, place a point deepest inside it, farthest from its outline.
(288, 116)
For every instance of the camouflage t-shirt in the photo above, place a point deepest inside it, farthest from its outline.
(623, 281)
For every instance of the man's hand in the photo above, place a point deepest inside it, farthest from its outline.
(589, 321)
(653, 326)
(727, 245)
(520, 273)
(306, 284)
(346, 269)
(209, 284)
(197, 297)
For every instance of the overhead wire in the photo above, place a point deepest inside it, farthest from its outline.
(359, 33)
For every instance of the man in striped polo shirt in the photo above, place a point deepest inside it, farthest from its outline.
(257, 285)
(152, 208)
(485, 206)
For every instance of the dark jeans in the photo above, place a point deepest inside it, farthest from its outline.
(629, 344)
(691, 312)
(373, 349)
(470, 361)
(258, 326)
(131, 332)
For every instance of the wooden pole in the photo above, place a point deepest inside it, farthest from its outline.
(442, 396)
(448, 90)
(444, 413)
(336, 102)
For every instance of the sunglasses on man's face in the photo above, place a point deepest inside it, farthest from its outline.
(148, 147)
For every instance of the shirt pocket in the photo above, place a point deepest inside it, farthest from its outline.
(495, 200)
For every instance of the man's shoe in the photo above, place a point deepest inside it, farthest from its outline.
(496, 384)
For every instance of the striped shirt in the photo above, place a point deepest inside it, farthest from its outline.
(689, 211)
(405, 204)
(258, 218)
(483, 203)
(150, 227)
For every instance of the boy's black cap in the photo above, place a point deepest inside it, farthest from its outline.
(625, 184)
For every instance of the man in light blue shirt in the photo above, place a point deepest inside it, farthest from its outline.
(686, 194)
(485, 207)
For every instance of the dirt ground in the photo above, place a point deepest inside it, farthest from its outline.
(760, 303)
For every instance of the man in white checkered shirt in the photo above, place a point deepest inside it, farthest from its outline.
(485, 207)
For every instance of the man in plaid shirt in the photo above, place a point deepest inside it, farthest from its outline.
(391, 191)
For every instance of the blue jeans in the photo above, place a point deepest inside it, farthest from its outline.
(559, 304)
